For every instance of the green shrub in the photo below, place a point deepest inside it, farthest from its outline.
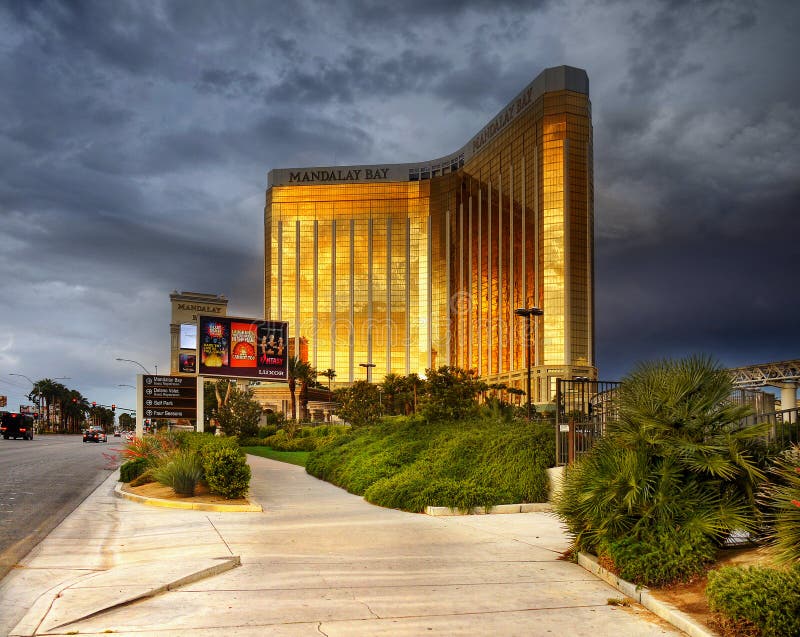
(768, 598)
(267, 430)
(409, 463)
(663, 556)
(780, 499)
(144, 478)
(182, 470)
(281, 441)
(676, 458)
(227, 472)
(132, 469)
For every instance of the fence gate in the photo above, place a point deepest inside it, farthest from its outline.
(583, 407)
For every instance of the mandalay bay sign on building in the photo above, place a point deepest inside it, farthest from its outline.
(415, 265)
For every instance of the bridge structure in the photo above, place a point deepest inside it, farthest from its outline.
(784, 375)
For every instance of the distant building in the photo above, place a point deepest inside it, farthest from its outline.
(412, 266)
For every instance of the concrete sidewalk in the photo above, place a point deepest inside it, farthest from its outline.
(317, 561)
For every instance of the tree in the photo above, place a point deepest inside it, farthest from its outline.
(127, 422)
(415, 385)
(307, 378)
(298, 370)
(450, 393)
(359, 404)
(239, 414)
(75, 410)
(215, 395)
(394, 387)
(674, 471)
(330, 374)
(47, 390)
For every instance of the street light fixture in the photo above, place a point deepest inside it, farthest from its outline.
(124, 385)
(369, 367)
(128, 360)
(527, 312)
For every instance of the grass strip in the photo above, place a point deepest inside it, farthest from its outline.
(292, 457)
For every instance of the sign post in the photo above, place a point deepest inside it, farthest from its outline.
(172, 397)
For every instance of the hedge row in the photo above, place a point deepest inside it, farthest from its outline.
(408, 463)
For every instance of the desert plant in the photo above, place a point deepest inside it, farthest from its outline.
(675, 458)
(182, 470)
(767, 598)
(226, 472)
(151, 448)
(781, 500)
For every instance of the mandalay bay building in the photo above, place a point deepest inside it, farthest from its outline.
(419, 265)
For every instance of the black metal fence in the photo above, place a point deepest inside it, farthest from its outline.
(584, 407)
(785, 427)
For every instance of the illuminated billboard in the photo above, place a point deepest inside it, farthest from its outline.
(242, 347)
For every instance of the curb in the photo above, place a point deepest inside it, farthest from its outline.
(643, 596)
(253, 507)
(499, 509)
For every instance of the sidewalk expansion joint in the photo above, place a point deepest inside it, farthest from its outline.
(213, 526)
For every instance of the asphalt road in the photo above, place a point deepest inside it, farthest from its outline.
(41, 482)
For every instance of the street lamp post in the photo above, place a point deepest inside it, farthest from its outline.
(128, 360)
(369, 367)
(527, 312)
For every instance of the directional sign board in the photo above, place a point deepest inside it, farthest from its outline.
(169, 397)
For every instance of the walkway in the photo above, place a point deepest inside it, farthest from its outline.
(318, 561)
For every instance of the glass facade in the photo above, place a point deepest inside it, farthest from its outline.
(412, 266)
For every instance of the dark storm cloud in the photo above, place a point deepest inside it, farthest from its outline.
(387, 15)
(356, 74)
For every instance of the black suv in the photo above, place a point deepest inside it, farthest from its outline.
(16, 425)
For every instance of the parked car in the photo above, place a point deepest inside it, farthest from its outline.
(16, 425)
(95, 434)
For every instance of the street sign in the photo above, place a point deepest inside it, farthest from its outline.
(169, 397)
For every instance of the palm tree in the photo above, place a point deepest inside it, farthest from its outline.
(61, 398)
(675, 468)
(306, 379)
(298, 370)
(74, 410)
(415, 384)
(47, 390)
(329, 374)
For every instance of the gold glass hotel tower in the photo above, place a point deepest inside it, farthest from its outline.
(413, 266)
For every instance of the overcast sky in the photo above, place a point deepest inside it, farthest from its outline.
(135, 140)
